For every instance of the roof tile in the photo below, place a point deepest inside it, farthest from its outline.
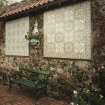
(23, 7)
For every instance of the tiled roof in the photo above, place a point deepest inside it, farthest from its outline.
(21, 7)
(18, 8)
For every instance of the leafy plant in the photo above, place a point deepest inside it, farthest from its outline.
(88, 96)
(3, 3)
(34, 39)
(101, 80)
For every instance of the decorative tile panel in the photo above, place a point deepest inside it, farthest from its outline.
(16, 44)
(69, 30)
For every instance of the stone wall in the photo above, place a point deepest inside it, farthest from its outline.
(58, 66)
(36, 58)
(98, 20)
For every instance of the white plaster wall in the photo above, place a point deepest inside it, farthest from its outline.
(67, 32)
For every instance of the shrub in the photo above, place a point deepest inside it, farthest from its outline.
(101, 81)
(87, 96)
(90, 93)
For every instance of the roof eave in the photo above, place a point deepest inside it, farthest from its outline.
(41, 8)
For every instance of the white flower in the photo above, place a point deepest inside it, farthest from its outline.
(101, 96)
(102, 67)
(75, 92)
(87, 91)
(72, 103)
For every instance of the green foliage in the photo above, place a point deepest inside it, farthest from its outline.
(60, 88)
(86, 91)
(101, 79)
(3, 3)
(88, 96)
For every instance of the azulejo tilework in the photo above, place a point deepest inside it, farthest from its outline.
(69, 30)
